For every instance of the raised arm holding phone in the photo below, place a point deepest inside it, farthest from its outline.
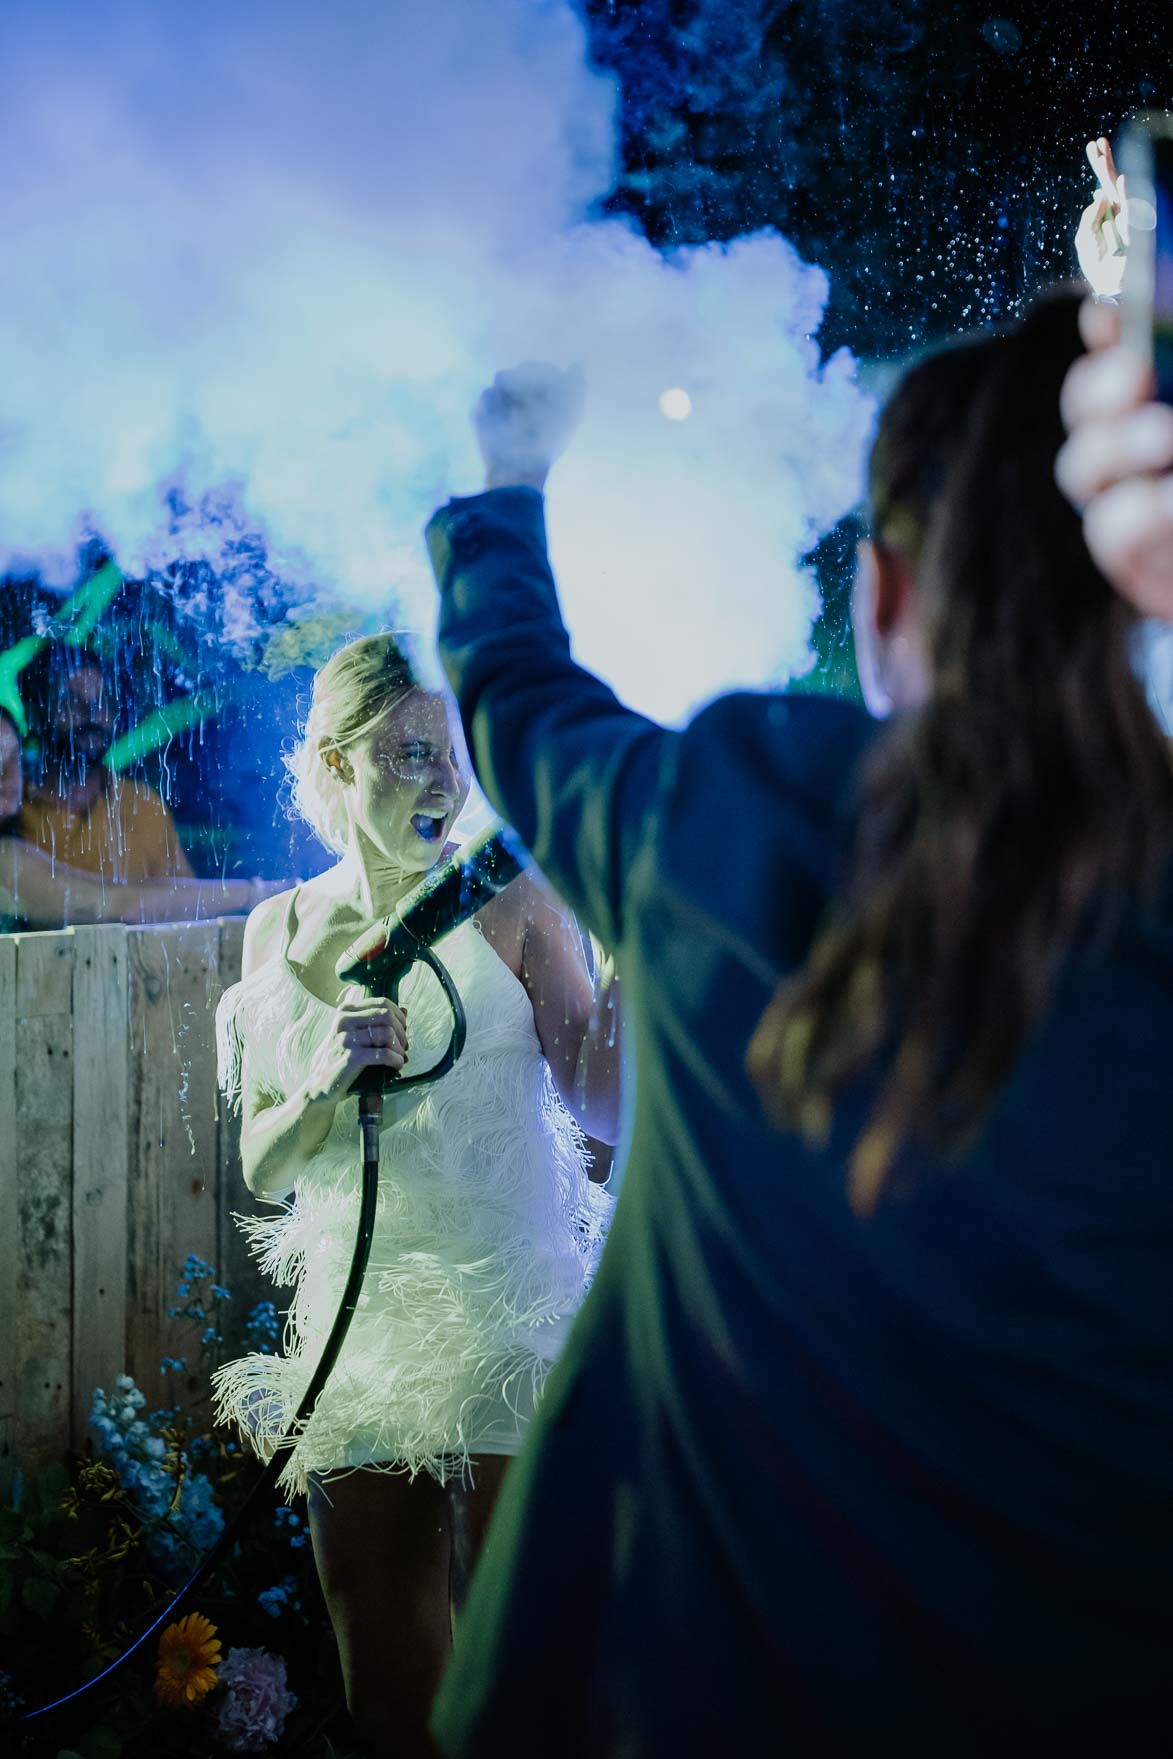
(1117, 464)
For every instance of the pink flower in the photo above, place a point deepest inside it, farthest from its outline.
(255, 1702)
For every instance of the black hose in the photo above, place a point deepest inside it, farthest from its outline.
(370, 1113)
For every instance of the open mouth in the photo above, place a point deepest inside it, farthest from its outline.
(429, 828)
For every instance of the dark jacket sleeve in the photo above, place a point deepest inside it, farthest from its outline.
(576, 773)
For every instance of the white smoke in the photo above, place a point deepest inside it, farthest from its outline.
(276, 248)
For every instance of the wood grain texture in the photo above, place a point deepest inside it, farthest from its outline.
(10, 1264)
(172, 1178)
(117, 1160)
(44, 1163)
(100, 1142)
(239, 1270)
(44, 973)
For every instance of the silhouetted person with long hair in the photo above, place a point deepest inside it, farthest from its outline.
(863, 1441)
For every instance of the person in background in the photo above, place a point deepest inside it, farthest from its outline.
(11, 774)
(863, 1440)
(76, 809)
(37, 892)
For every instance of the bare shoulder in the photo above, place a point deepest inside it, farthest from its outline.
(262, 931)
(524, 909)
(507, 919)
(537, 900)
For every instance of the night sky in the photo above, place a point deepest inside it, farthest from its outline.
(929, 155)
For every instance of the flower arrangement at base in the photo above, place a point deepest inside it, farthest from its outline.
(93, 1547)
(251, 1714)
(189, 1654)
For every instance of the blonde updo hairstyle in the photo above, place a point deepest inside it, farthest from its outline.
(351, 694)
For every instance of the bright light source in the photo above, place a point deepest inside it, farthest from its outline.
(675, 405)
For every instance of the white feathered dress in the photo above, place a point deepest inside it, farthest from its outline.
(487, 1235)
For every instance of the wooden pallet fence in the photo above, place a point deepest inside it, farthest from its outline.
(117, 1160)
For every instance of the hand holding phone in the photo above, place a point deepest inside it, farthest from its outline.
(1146, 158)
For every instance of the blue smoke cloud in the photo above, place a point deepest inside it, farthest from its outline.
(263, 257)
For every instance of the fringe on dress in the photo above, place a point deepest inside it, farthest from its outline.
(487, 1235)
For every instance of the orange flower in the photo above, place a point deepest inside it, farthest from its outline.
(189, 1653)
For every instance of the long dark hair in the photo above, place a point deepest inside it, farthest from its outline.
(1028, 797)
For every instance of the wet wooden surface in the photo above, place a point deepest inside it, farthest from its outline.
(117, 1161)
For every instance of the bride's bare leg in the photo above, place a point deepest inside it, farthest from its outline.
(383, 1550)
(471, 1507)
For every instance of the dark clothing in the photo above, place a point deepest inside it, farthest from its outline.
(803, 1484)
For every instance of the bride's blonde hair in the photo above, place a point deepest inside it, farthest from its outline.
(353, 691)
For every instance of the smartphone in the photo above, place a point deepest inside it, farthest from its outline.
(1146, 159)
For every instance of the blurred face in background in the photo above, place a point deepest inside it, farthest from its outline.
(11, 774)
(81, 719)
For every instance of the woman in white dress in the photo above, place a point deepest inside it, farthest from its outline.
(488, 1229)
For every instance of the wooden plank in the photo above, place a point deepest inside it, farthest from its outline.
(238, 1269)
(44, 1148)
(9, 1210)
(100, 1040)
(174, 984)
(44, 974)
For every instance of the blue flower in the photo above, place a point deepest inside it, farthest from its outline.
(10, 1699)
(199, 1516)
(139, 1455)
(190, 1529)
(274, 1600)
(165, 1546)
(263, 1327)
(288, 1522)
(150, 1487)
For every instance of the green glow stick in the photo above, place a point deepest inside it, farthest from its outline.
(78, 616)
(81, 610)
(157, 729)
